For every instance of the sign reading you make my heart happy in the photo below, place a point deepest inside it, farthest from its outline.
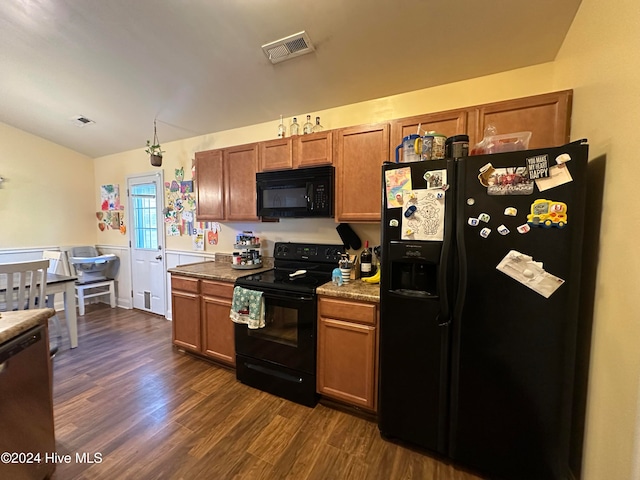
(538, 166)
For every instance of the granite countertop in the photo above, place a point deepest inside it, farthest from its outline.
(14, 323)
(222, 271)
(354, 290)
(216, 270)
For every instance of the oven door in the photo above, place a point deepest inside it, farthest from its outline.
(289, 335)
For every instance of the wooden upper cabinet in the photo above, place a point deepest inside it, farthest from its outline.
(240, 167)
(547, 116)
(359, 154)
(313, 149)
(209, 185)
(276, 154)
(449, 123)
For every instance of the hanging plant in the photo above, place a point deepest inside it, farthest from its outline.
(154, 150)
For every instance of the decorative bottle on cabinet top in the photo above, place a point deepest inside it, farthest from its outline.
(308, 126)
(282, 130)
(294, 129)
(317, 127)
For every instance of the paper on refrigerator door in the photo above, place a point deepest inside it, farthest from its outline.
(558, 175)
(396, 182)
(525, 270)
(423, 215)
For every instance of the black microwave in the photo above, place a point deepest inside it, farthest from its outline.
(302, 192)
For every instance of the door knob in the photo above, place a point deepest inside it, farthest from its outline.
(158, 257)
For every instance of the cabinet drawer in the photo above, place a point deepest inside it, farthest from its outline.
(216, 289)
(352, 311)
(186, 284)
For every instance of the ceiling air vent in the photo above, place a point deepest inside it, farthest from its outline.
(288, 47)
(81, 121)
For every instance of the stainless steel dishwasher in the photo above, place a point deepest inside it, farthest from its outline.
(26, 407)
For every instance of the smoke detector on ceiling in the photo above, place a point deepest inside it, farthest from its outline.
(81, 121)
(288, 47)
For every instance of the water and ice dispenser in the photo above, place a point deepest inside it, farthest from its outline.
(414, 268)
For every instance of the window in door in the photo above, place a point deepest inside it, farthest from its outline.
(144, 210)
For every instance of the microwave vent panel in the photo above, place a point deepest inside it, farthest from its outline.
(288, 47)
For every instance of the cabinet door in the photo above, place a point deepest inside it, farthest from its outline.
(360, 152)
(209, 185)
(314, 149)
(346, 362)
(276, 154)
(218, 332)
(185, 311)
(449, 123)
(240, 166)
(547, 116)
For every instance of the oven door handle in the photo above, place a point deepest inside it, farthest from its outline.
(302, 298)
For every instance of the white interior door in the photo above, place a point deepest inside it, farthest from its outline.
(146, 242)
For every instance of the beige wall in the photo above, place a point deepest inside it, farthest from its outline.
(46, 198)
(599, 60)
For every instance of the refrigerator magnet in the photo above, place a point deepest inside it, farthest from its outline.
(485, 232)
(435, 178)
(538, 166)
(510, 181)
(524, 228)
(502, 230)
(393, 222)
(410, 211)
(485, 173)
(511, 211)
(547, 213)
(473, 221)
(484, 217)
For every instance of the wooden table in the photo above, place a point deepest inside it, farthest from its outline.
(66, 285)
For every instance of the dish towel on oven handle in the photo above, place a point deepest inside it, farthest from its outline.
(247, 307)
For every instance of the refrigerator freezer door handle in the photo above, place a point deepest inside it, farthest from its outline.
(443, 321)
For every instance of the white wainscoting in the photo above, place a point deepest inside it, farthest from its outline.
(177, 257)
(122, 277)
(123, 272)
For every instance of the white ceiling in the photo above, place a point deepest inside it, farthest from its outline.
(198, 66)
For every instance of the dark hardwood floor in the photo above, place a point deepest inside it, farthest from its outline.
(140, 409)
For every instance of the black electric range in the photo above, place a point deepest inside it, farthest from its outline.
(280, 358)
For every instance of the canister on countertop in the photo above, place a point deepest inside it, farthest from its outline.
(437, 150)
(457, 146)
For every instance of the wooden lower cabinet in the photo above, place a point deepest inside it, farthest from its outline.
(347, 366)
(218, 341)
(201, 323)
(185, 312)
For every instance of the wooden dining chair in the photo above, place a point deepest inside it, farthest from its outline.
(16, 281)
(56, 265)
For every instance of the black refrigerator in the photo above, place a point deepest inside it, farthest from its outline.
(479, 295)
